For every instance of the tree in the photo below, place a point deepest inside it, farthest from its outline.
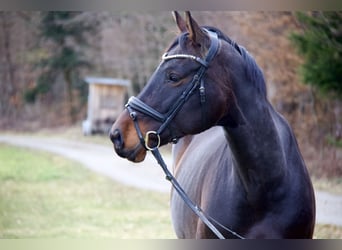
(66, 35)
(320, 44)
(8, 69)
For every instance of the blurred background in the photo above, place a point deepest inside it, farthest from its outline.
(47, 57)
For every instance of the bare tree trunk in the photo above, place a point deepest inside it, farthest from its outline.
(338, 120)
(9, 84)
(70, 106)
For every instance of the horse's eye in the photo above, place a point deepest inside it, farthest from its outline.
(172, 77)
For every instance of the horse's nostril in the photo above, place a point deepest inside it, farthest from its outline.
(116, 138)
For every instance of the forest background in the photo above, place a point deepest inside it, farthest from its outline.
(39, 88)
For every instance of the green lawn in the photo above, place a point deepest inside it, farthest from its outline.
(46, 196)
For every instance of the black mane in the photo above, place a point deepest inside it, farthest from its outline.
(254, 70)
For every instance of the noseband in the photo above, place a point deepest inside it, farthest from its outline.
(134, 104)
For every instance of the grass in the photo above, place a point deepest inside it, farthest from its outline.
(324, 231)
(46, 196)
(331, 185)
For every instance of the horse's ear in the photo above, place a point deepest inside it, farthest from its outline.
(196, 34)
(179, 21)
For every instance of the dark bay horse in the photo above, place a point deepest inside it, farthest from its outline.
(236, 157)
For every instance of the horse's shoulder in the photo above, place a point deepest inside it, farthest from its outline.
(196, 152)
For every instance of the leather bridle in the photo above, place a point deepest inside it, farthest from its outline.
(134, 104)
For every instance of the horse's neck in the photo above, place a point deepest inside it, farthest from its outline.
(257, 149)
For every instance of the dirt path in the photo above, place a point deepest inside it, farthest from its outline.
(99, 158)
(146, 175)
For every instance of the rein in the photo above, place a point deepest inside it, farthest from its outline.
(194, 207)
(134, 104)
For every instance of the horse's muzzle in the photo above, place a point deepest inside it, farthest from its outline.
(134, 154)
(116, 139)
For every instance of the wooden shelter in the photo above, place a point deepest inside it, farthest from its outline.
(106, 100)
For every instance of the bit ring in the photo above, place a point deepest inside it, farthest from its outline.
(148, 139)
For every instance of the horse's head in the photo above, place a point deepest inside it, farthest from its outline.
(189, 92)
